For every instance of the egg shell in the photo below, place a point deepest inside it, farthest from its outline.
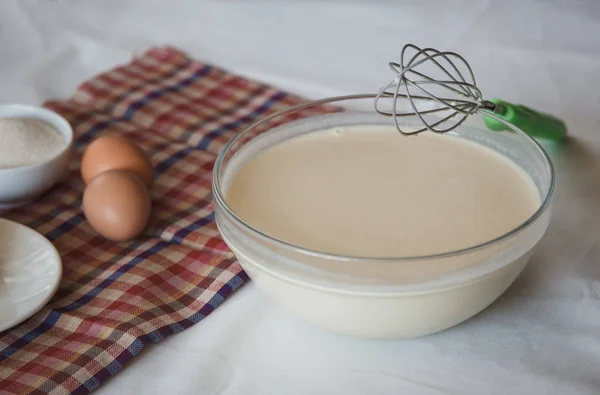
(116, 153)
(117, 205)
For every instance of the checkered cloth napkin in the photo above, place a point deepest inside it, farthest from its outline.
(115, 298)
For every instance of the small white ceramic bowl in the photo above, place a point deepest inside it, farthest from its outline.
(376, 297)
(21, 185)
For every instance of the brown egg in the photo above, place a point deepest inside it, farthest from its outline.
(115, 152)
(117, 205)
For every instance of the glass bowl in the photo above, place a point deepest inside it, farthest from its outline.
(378, 297)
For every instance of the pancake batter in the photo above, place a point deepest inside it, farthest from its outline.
(367, 191)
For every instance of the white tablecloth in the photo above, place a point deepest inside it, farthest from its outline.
(542, 336)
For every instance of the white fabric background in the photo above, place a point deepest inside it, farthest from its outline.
(542, 336)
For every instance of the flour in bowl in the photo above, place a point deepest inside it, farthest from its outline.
(25, 142)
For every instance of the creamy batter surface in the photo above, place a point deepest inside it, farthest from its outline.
(368, 191)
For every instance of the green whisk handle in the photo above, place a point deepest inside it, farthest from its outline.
(534, 123)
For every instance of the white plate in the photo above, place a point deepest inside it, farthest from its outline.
(30, 271)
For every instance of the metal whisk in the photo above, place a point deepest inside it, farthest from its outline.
(457, 96)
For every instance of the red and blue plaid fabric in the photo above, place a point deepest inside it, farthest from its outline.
(116, 298)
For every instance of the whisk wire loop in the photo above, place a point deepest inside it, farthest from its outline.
(464, 98)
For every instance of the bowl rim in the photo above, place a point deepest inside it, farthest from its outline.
(221, 201)
(50, 117)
